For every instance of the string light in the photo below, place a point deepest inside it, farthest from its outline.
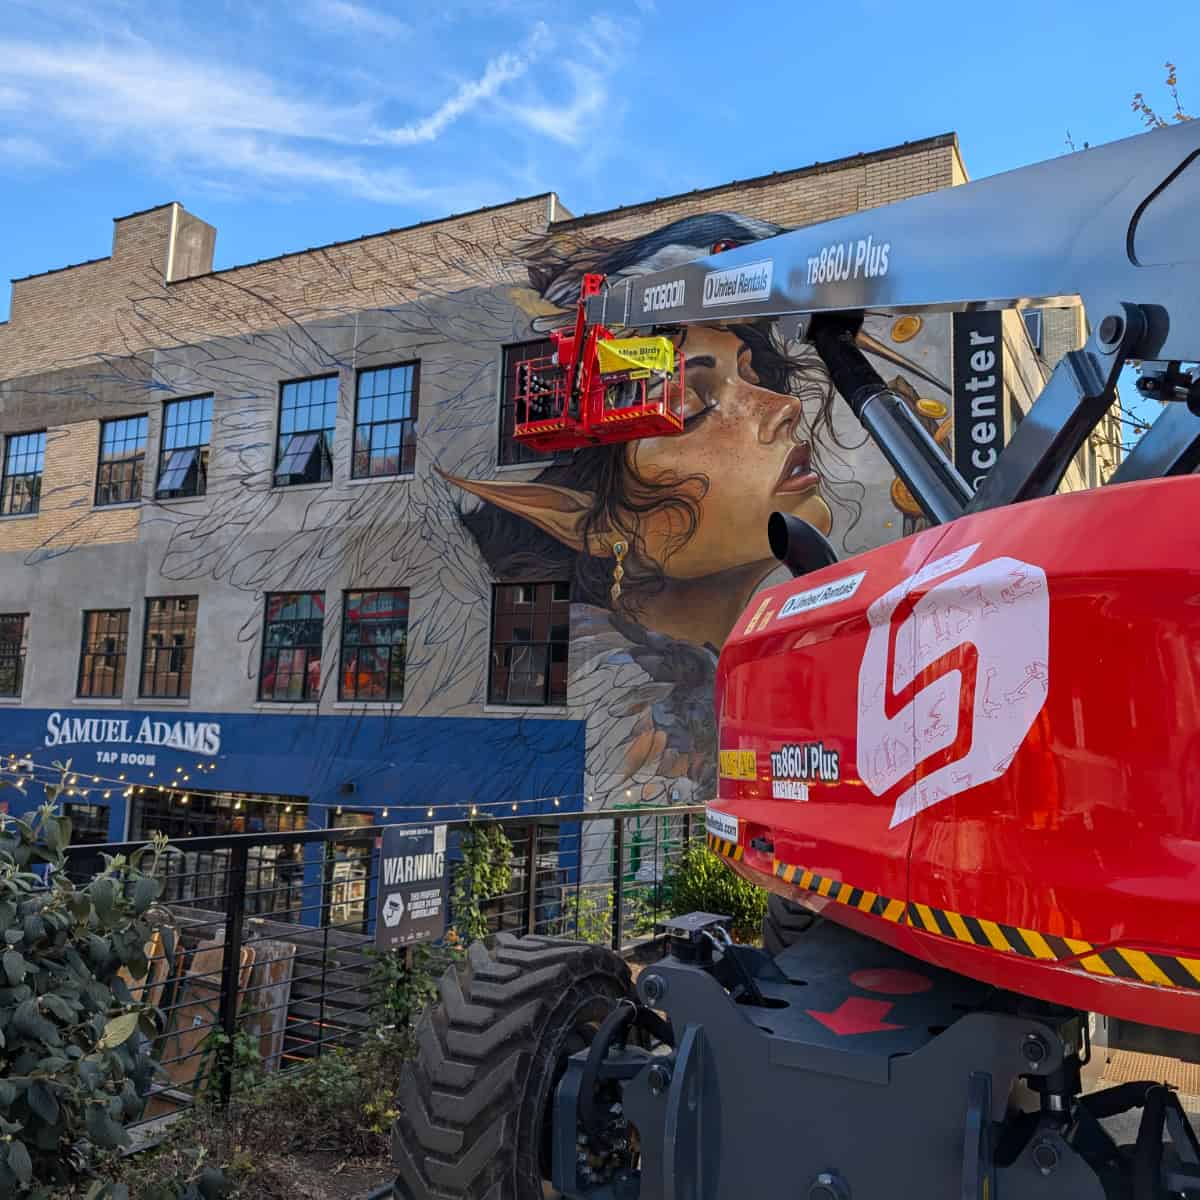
(385, 813)
(56, 774)
(107, 794)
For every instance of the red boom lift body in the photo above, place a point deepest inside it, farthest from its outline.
(979, 745)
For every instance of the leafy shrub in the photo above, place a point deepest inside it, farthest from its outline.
(484, 873)
(700, 882)
(74, 1048)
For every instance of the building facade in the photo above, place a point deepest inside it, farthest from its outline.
(270, 557)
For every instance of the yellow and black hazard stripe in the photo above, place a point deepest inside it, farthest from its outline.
(1119, 962)
(724, 849)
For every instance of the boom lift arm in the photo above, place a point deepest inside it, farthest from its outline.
(1117, 227)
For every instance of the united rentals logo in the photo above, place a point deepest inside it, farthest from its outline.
(735, 284)
(975, 644)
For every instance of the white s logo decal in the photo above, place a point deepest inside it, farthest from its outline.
(982, 639)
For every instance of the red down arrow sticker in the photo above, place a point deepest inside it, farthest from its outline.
(856, 1015)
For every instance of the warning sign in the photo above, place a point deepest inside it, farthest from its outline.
(412, 886)
(636, 354)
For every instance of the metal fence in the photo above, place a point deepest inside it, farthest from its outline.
(246, 943)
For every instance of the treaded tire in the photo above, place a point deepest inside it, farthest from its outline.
(784, 924)
(472, 1102)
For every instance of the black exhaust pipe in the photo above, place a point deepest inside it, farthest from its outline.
(801, 547)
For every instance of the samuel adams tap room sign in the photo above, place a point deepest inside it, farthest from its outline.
(979, 409)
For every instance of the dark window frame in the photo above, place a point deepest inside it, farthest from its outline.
(175, 459)
(186, 651)
(286, 448)
(85, 654)
(1037, 339)
(15, 657)
(510, 452)
(347, 646)
(551, 697)
(308, 694)
(9, 477)
(136, 479)
(406, 459)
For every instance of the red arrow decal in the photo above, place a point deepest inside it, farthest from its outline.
(856, 1015)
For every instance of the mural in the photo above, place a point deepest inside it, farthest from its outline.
(763, 432)
(760, 435)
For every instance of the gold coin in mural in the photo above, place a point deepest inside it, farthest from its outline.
(904, 329)
(933, 409)
(902, 498)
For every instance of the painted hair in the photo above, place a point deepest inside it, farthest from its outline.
(515, 549)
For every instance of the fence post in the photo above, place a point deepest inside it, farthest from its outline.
(235, 911)
(618, 918)
(531, 861)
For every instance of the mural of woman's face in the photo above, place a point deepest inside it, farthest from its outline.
(752, 445)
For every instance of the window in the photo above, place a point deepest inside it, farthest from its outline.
(374, 644)
(122, 458)
(530, 635)
(102, 659)
(24, 458)
(385, 422)
(307, 416)
(89, 822)
(291, 663)
(183, 461)
(168, 643)
(512, 451)
(14, 634)
(1033, 323)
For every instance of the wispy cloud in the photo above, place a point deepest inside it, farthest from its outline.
(497, 73)
(131, 93)
(343, 16)
(25, 152)
(570, 121)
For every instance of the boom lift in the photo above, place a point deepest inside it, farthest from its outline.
(965, 765)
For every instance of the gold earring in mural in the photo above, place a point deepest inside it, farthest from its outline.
(619, 549)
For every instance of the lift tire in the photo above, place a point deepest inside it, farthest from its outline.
(785, 922)
(475, 1099)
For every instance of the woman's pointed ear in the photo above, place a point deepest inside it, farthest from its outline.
(559, 511)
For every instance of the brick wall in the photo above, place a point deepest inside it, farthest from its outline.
(795, 198)
(66, 519)
(126, 303)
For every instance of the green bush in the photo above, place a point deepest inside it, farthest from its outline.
(75, 1066)
(698, 881)
(484, 873)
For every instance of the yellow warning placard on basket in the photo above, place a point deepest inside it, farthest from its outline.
(636, 354)
(738, 764)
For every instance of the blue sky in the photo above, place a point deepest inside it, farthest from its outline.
(294, 124)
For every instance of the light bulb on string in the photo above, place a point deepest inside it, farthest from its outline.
(429, 813)
(107, 794)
